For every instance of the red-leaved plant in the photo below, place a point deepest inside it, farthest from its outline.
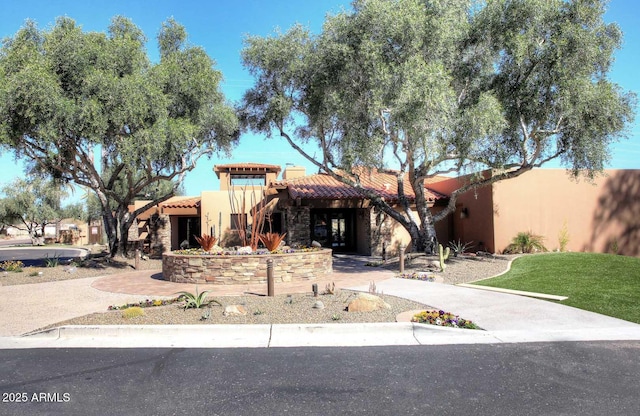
(206, 241)
(271, 240)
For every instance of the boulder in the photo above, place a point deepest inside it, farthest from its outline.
(434, 264)
(366, 302)
(245, 250)
(318, 305)
(234, 310)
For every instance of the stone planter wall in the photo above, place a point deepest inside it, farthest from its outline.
(252, 268)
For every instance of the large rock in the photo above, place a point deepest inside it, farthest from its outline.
(245, 250)
(234, 310)
(366, 302)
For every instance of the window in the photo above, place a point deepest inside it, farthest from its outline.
(248, 180)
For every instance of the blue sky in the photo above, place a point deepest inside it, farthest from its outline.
(220, 26)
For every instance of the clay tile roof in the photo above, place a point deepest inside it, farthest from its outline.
(189, 202)
(323, 186)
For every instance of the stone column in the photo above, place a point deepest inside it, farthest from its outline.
(160, 235)
(298, 225)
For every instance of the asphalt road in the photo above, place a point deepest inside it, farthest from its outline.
(14, 242)
(32, 256)
(577, 378)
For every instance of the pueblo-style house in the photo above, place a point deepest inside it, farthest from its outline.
(599, 216)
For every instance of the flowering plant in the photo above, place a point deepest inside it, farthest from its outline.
(232, 252)
(145, 304)
(427, 277)
(12, 266)
(442, 318)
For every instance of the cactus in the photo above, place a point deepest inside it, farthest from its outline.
(443, 255)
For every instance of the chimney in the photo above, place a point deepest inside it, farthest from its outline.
(293, 172)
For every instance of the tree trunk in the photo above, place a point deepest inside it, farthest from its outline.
(125, 220)
(423, 238)
(428, 239)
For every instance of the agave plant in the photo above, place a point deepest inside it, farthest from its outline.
(206, 241)
(196, 301)
(52, 261)
(526, 242)
(458, 247)
(271, 240)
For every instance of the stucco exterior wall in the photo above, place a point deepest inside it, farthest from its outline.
(215, 211)
(600, 216)
(472, 221)
(386, 235)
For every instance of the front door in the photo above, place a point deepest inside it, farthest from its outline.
(334, 228)
(188, 229)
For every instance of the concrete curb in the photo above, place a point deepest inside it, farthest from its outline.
(293, 335)
(243, 336)
(125, 336)
(342, 335)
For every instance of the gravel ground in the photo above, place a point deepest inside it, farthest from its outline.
(280, 309)
(462, 269)
(295, 308)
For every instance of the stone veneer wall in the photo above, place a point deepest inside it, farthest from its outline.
(160, 230)
(298, 226)
(251, 268)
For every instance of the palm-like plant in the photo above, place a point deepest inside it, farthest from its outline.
(526, 242)
(271, 240)
(206, 241)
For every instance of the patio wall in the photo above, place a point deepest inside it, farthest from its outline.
(252, 268)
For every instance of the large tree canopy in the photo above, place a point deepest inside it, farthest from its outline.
(429, 87)
(67, 95)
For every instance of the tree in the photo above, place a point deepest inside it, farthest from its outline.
(432, 87)
(31, 205)
(67, 95)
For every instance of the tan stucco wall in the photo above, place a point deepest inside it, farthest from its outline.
(215, 206)
(599, 215)
(472, 221)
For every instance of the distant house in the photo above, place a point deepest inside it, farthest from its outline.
(602, 216)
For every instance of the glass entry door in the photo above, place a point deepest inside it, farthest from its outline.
(188, 229)
(334, 228)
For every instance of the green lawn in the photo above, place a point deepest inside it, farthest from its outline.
(602, 283)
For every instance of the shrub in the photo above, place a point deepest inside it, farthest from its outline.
(206, 241)
(526, 242)
(563, 237)
(271, 240)
(12, 266)
(132, 312)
